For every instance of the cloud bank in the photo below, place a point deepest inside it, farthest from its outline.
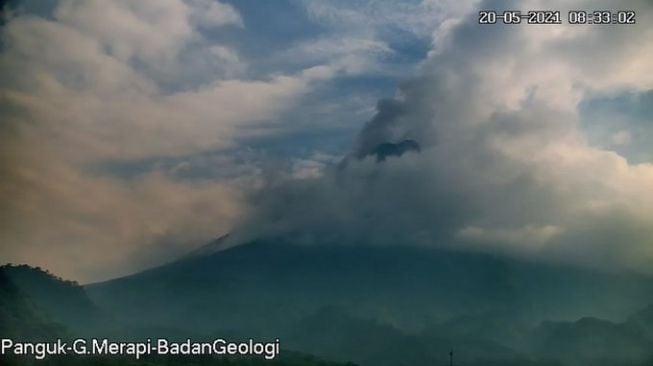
(505, 163)
(122, 139)
(123, 81)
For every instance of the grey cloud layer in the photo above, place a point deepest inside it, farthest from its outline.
(94, 84)
(505, 165)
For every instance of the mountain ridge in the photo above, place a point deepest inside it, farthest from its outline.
(361, 304)
(349, 270)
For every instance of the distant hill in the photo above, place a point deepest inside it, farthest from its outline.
(55, 299)
(332, 333)
(375, 306)
(271, 283)
(31, 299)
(383, 305)
(19, 317)
(593, 341)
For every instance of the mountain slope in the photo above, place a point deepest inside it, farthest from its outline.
(60, 301)
(593, 341)
(262, 287)
(19, 318)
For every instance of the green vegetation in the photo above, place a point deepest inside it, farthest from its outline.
(58, 300)
(19, 317)
(173, 302)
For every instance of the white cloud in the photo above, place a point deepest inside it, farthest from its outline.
(359, 32)
(505, 164)
(211, 13)
(347, 54)
(504, 160)
(91, 86)
(147, 30)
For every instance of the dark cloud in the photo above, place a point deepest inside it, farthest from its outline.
(380, 129)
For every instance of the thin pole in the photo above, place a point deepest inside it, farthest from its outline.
(451, 358)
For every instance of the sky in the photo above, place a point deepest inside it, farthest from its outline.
(133, 132)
